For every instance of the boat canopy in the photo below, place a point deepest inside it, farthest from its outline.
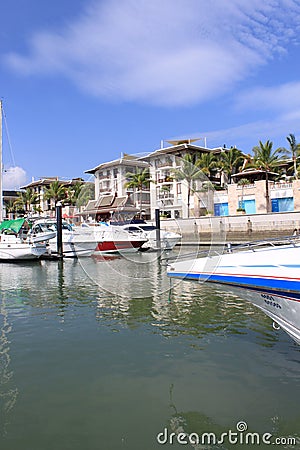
(13, 225)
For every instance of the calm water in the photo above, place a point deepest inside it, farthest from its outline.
(99, 354)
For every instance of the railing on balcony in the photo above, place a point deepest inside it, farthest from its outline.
(165, 196)
(165, 180)
(282, 186)
(245, 186)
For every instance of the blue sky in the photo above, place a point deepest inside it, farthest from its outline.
(84, 80)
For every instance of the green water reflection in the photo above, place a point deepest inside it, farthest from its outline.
(84, 368)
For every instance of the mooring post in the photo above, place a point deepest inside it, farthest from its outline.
(157, 225)
(58, 209)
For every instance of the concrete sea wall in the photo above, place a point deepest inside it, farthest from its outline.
(239, 227)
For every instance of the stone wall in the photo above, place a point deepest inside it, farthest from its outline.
(241, 227)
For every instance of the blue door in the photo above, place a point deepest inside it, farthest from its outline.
(282, 204)
(249, 206)
(221, 209)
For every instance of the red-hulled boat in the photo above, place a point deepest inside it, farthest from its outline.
(113, 239)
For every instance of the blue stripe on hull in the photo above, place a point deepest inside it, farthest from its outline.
(287, 288)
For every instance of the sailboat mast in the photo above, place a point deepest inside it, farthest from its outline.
(1, 166)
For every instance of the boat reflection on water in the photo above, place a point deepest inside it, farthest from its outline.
(136, 289)
(116, 353)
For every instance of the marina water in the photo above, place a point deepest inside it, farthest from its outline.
(101, 354)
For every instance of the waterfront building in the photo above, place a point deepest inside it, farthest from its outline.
(47, 206)
(171, 195)
(245, 194)
(165, 192)
(9, 197)
(251, 198)
(112, 197)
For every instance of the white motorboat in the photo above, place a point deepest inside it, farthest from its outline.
(76, 242)
(17, 245)
(266, 274)
(168, 239)
(114, 239)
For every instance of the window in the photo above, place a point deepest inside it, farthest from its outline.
(282, 204)
(221, 209)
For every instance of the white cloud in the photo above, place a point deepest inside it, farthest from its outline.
(14, 177)
(175, 52)
(283, 98)
(248, 135)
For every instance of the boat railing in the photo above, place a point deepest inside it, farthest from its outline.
(228, 247)
(193, 255)
(270, 242)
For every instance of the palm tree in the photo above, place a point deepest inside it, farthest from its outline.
(73, 192)
(27, 201)
(56, 192)
(268, 160)
(295, 151)
(188, 172)
(87, 192)
(242, 182)
(10, 207)
(231, 161)
(206, 162)
(138, 180)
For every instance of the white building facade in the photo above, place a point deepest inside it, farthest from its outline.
(165, 191)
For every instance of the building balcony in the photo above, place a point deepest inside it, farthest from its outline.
(165, 180)
(165, 196)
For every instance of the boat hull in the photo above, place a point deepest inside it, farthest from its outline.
(282, 309)
(167, 242)
(268, 278)
(73, 248)
(118, 246)
(21, 251)
(168, 239)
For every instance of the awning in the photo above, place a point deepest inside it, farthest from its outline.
(13, 225)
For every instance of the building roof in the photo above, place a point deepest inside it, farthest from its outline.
(252, 172)
(125, 160)
(104, 200)
(48, 180)
(180, 147)
(109, 203)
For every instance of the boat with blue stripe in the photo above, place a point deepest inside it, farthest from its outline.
(266, 273)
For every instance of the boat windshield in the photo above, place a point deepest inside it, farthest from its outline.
(50, 226)
(147, 227)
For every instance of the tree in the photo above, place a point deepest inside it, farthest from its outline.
(295, 151)
(268, 160)
(56, 192)
(87, 192)
(188, 172)
(206, 162)
(242, 182)
(231, 161)
(27, 201)
(138, 180)
(73, 192)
